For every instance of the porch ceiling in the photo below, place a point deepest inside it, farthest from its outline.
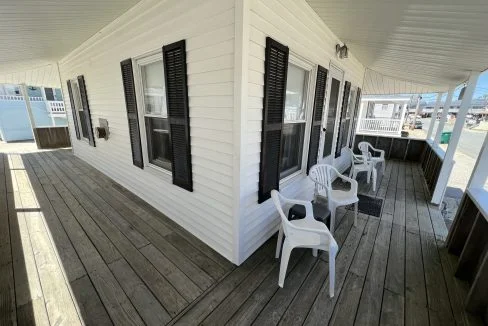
(35, 34)
(433, 43)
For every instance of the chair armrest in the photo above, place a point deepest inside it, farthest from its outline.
(382, 152)
(326, 233)
(308, 206)
(354, 183)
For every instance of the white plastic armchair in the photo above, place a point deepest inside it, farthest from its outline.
(366, 148)
(362, 163)
(323, 175)
(303, 233)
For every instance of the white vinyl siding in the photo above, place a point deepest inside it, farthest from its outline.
(294, 24)
(208, 28)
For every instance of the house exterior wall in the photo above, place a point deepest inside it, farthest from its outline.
(294, 24)
(208, 28)
(225, 41)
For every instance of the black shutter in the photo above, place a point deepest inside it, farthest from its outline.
(174, 56)
(86, 110)
(342, 124)
(49, 94)
(275, 74)
(355, 118)
(132, 114)
(73, 110)
(318, 109)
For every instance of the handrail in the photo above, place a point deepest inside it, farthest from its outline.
(380, 125)
(20, 98)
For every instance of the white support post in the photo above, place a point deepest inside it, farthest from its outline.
(402, 117)
(416, 111)
(480, 170)
(448, 162)
(360, 115)
(445, 112)
(32, 122)
(434, 115)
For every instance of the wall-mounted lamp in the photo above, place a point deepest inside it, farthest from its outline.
(342, 51)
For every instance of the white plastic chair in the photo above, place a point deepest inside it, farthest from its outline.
(365, 148)
(323, 175)
(303, 233)
(362, 163)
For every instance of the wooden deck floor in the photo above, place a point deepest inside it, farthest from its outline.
(77, 248)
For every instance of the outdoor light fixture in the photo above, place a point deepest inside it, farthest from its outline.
(342, 51)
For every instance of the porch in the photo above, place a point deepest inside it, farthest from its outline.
(77, 247)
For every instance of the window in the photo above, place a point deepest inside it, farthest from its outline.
(154, 113)
(331, 117)
(295, 120)
(82, 123)
(351, 107)
(49, 93)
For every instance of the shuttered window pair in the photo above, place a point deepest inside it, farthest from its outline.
(166, 114)
(81, 109)
(272, 162)
(344, 120)
(355, 117)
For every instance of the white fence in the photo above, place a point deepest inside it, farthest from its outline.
(379, 126)
(56, 107)
(20, 98)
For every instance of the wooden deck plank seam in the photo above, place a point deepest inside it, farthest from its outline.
(101, 177)
(96, 248)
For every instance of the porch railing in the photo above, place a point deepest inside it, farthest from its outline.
(380, 126)
(56, 107)
(20, 98)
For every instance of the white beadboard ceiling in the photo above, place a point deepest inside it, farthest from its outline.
(36, 33)
(411, 45)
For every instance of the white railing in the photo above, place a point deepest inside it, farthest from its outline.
(20, 98)
(56, 107)
(380, 125)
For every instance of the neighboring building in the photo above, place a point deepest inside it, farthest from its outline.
(382, 115)
(47, 109)
(222, 162)
(478, 106)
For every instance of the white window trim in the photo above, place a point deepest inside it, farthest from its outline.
(137, 62)
(78, 102)
(336, 73)
(311, 68)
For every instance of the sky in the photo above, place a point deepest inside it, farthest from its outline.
(481, 89)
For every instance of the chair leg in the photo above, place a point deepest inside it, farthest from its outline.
(332, 209)
(375, 175)
(315, 252)
(383, 165)
(279, 242)
(285, 257)
(369, 176)
(332, 256)
(356, 213)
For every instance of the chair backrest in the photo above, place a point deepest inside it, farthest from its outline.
(279, 201)
(359, 159)
(364, 147)
(323, 175)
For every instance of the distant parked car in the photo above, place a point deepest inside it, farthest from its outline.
(418, 124)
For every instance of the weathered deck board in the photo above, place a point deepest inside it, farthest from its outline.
(162, 289)
(129, 264)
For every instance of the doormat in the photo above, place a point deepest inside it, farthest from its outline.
(368, 205)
